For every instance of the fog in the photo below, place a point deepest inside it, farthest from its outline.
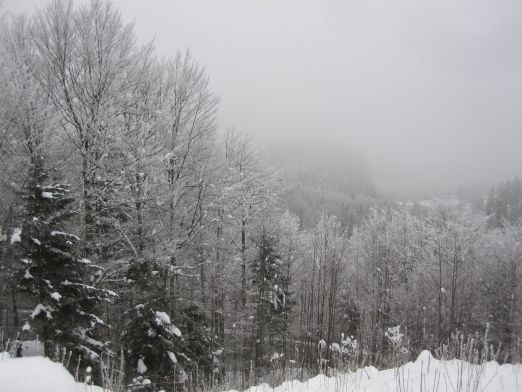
(429, 91)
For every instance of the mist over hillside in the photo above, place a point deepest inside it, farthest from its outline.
(318, 176)
(330, 166)
(323, 177)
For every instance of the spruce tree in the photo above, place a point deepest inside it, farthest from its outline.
(162, 346)
(154, 348)
(272, 299)
(53, 273)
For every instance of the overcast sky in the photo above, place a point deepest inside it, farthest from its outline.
(429, 90)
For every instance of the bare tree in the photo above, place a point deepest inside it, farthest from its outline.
(88, 62)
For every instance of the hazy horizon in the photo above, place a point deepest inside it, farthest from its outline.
(429, 93)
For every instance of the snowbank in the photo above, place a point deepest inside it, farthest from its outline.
(38, 374)
(425, 374)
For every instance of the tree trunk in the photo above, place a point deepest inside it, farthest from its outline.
(243, 265)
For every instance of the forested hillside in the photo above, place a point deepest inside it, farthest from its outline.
(135, 231)
(322, 177)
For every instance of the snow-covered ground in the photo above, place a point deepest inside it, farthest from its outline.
(426, 374)
(38, 374)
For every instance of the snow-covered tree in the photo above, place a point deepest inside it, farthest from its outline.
(154, 348)
(289, 241)
(500, 255)
(89, 65)
(52, 272)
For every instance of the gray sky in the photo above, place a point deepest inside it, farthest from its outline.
(429, 90)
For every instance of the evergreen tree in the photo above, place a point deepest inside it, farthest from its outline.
(157, 351)
(52, 271)
(198, 343)
(154, 349)
(272, 299)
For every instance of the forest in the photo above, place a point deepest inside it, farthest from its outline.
(138, 232)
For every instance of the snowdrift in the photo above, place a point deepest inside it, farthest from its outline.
(38, 374)
(426, 374)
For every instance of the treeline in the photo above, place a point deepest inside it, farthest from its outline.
(434, 269)
(133, 229)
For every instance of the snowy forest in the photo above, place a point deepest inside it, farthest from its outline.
(140, 237)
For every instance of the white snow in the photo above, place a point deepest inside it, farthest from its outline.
(27, 274)
(142, 368)
(39, 309)
(85, 286)
(275, 357)
(55, 295)
(162, 318)
(94, 319)
(172, 357)
(111, 293)
(425, 374)
(174, 330)
(38, 374)
(16, 236)
(93, 342)
(93, 355)
(61, 233)
(394, 335)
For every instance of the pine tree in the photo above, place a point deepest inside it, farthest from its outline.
(53, 273)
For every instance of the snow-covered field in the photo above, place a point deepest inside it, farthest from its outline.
(426, 374)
